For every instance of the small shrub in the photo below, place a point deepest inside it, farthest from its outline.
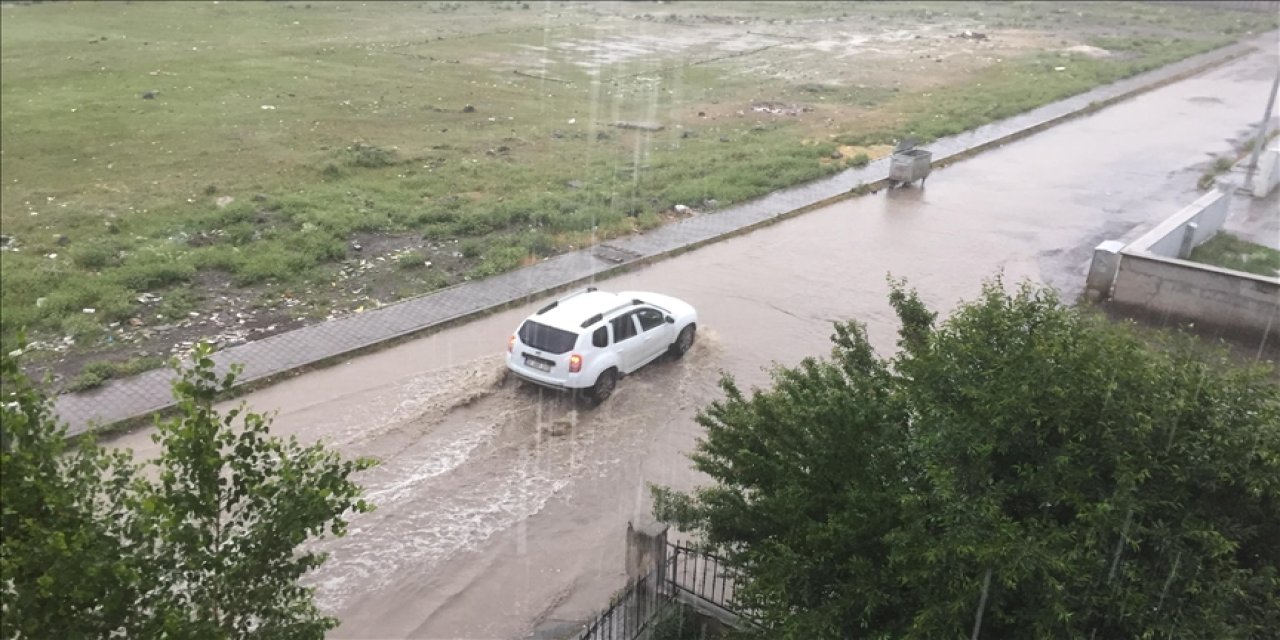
(411, 260)
(538, 244)
(217, 258)
(471, 248)
(648, 220)
(860, 160)
(148, 272)
(82, 327)
(825, 149)
(177, 303)
(109, 300)
(500, 259)
(93, 256)
(813, 87)
(98, 372)
(316, 248)
(435, 280)
(91, 377)
(371, 156)
(434, 216)
(474, 224)
(1222, 165)
(271, 262)
(331, 171)
(1207, 181)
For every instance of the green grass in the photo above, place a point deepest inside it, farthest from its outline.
(96, 373)
(340, 119)
(1230, 252)
(1210, 176)
(1020, 86)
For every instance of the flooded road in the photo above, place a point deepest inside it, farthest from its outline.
(501, 510)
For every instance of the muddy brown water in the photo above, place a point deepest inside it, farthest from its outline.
(501, 510)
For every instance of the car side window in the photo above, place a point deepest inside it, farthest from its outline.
(650, 319)
(600, 338)
(623, 327)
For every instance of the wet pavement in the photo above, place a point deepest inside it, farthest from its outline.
(501, 510)
(139, 395)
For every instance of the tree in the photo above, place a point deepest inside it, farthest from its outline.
(206, 541)
(1022, 469)
(64, 570)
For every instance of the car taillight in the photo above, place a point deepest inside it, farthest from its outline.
(511, 344)
(575, 363)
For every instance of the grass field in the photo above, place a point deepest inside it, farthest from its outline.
(1230, 252)
(178, 170)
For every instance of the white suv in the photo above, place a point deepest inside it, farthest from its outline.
(587, 340)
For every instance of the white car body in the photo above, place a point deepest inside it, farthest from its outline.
(571, 342)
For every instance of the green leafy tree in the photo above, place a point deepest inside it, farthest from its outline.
(64, 567)
(206, 541)
(1021, 469)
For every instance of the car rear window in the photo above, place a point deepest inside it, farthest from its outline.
(548, 339)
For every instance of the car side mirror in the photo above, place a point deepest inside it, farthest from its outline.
(671, 320)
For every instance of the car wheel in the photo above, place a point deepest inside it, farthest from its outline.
(684, 341)
(604, 386)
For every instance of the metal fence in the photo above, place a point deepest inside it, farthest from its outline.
(632, 610)
(685, 573)
(703, 575)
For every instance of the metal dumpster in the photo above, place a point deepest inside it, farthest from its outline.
(909, 164)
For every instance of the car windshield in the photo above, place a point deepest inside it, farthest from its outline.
(548, 339)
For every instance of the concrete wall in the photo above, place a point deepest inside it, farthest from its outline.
(1268, 175)
(1147, 278)
(1186, 229)
(1240, 303)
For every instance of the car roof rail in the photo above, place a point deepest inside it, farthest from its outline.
(592, 320)
(557, 302)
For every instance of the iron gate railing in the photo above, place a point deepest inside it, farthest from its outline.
(632, 610)
(684, 570)
(703, 575)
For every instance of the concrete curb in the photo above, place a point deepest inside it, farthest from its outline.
(72, 407)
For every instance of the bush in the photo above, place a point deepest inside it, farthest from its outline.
(95, 255)
(471, 248)
(90, 377)
(82, 327)
(411, 260)
(151, 271)
(538, 244)
(860, 160)
(110, 301)
(270, 262)
(177, 303)
(97, 372)
(217, 258)
(499, 259)
(648, 220)
(370, 156)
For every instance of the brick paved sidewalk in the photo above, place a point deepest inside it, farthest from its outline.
(139, 395)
